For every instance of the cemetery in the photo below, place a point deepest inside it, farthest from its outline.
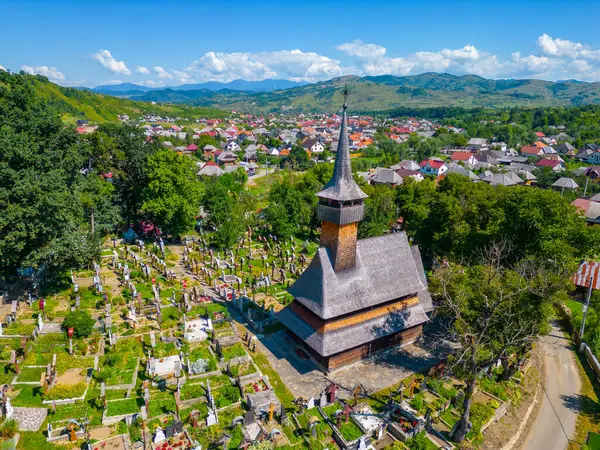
(161, 345)
(164, 349)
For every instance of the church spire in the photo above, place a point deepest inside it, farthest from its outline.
(342, 186)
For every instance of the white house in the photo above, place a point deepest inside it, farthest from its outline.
(433, 166)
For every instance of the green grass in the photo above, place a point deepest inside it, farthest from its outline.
(30, 374)
(234, 351)
(284, 395)
(127, 406)
(449, 417)
(588, 419)
(30, 396)
(349, 430)
(576, 309)
(34, 440)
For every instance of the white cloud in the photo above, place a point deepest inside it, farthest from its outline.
(580, 65)
(288, 64)
(565, 48)
(107, 60)
(52, 73)
(557, 59)
(2, 67)
(468, 52)
(362, 50)
(162, 73)
(150, 83)
(108, 82)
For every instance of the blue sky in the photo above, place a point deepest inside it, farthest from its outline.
(177, 42)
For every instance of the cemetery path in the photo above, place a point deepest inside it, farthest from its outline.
(555, 422)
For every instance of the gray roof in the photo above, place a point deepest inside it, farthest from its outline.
(566, 183)
(528, 176)
(387, 176)
(210, 170)
(406, 164)
(342, 339)
(593, 210)
(456, 168)
(477, 141)
(504, 179)
(342, 186)
(595, 198)
(424, 295)
(385, 270)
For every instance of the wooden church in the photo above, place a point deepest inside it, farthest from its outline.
(356, 297)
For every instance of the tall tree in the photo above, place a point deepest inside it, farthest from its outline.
(493, 311)
(172, 196)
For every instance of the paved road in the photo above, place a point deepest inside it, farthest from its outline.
(560, 399)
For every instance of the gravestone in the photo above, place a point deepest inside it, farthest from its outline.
(323, 399)
(159, 436)
(211, 419)
(311, 403)
(249, 418)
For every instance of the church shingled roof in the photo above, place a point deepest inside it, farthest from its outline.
(386, 269)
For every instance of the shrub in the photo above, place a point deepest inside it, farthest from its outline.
(9, 428)
(81, 321)
(64, 391)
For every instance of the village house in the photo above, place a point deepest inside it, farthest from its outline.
(386, 176)
(464, 157)
(531, 151)
(313, 145)
(590, 207)
(554, 164)
(433, 166)
(477, 144)
(232, 146)
(226, 158)
(210, 169)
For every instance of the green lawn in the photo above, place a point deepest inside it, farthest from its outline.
(30, 374)
(284, 395)
(127, 406)
(576, 309)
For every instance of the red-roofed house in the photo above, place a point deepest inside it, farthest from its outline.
(466, 157)
(540, 134)
(531, 151)
(192, 148)
(433, 166)
(555, 165)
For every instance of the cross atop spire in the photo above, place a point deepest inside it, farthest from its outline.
(346, 93)
(342, 186)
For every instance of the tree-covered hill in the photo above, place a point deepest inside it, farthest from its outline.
(386, 92)
(75, 104)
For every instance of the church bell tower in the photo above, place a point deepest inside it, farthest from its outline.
(341, 205)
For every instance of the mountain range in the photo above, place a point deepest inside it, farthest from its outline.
(131, 89)
(374, 93)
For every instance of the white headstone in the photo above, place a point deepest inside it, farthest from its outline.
(159, 436)
(311, 403)
(323, 400)
(40, 322)
(9, 408)
(211, 419)
(362, 445)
